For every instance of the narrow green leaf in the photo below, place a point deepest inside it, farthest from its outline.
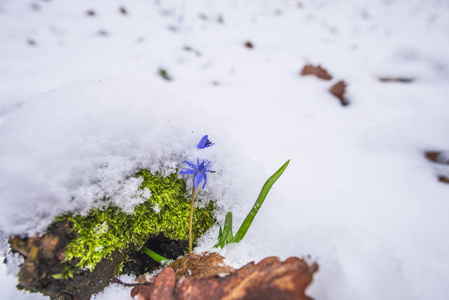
(263, 194)
(220, 233)
(228, 224)
(227, 230)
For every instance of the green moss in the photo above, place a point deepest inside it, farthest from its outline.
(104, 231)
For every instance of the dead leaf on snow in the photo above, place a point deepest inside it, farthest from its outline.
(440, 157)
(317, 71)
(339, 90)
(443, 179)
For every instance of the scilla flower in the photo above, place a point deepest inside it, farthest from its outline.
(204, 143)
(199, 170)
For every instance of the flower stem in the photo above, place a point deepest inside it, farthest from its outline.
(191, 218)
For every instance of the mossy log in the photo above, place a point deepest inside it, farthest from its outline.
(45, 257)
(79, 255)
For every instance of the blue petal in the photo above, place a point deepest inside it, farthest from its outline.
(188, 171)
(203, 142)
(205, 179)
(193, 166)
(198, 178)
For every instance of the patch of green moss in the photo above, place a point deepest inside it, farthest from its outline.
(167, 211)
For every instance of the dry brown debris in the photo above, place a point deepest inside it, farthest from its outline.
(249, 45)
(199, 266)
(317, 71)
(269, 279)
(443, 179)
(437, 156)
(339, 90)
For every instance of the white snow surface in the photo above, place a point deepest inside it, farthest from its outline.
(358, 196)
(76, 145)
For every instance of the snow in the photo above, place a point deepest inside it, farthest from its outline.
(9, 291)
(115, 290)
(76, 145)
(358, 196)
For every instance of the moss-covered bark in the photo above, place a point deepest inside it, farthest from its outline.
(79, 255)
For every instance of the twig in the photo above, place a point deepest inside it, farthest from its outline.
(116, 280)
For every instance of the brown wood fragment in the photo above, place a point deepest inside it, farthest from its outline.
(443, 179)
(317, 71)
(440, 157)
(396, 79)
(269, 279)
(249, 45)
(339, 90)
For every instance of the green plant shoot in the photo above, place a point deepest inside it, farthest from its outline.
(226, 236)
(160, 259)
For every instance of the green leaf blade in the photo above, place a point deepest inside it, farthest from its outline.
(160, 259)
(260, 199)
(227, 231)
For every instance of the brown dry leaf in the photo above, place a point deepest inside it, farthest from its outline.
(338, 90)
(437, 156)
(318, 71)
(164, 285)
(141, 291)
(269, 279)
(249, 45)
(443, 179)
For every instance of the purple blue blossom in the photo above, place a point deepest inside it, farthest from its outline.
(199, 170)
(204, 143)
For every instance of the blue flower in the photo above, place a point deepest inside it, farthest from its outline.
(204, 143)
(199, 170)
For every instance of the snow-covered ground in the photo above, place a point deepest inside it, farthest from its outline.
(358, 196)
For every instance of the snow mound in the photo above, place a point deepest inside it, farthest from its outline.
(78, 144)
